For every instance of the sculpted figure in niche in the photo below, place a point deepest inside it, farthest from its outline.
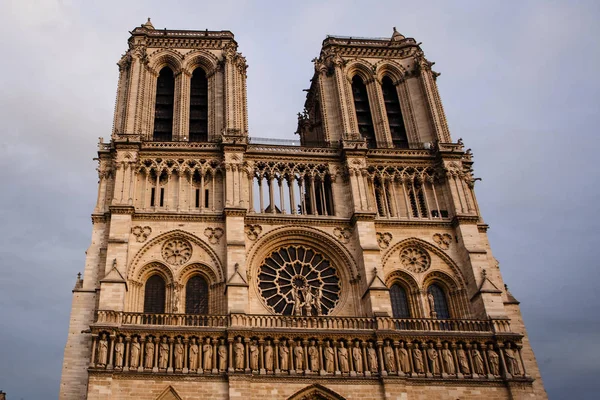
(308, 300)
(372, 357)
(299, 356)
(318, 300)
(431, 301)
(313, 355)
(329, 355)
(149, 353)
(119, 351)
(135, 353)
(297, 301)
(163, 354)
(194, 355)
(448, 360)
(433, 357)
(284, 355)
(343, 358)
(511, 361)
(102, 350)
(418, 356)
(388, 356)
(239, 354)
(222, 353)
(268, 356)
(477, 361)
(403, 358)
(463, 361)
(494, 360)
(207, 355)
(253, 356)
(357, 358)
(178, 354)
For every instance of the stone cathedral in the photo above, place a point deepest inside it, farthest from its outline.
(352, 263)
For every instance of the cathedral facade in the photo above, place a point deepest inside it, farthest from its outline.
(351, 264)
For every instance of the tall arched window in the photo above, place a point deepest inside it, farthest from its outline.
(399, 301)
(154, 295)
(363, 111)
(394, 113)
(199, 106)
(439, 300)
(163, 109)
(196, 295)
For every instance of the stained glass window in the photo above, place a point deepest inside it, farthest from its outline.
(196, 295)
(154, 295)
(399, 302)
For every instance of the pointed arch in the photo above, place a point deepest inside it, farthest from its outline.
(163, 58)
(316, 392)
(200, 59)
(169, 394)
(390, 68)
(361, 68)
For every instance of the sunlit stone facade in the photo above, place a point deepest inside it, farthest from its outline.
(353, 264)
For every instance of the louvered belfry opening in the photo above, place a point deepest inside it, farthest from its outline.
(399, 302)
(196, 295)
(363, 111)
(154, 295)
(163, 109)
(394, 113)
(199, 107)
(439, 300)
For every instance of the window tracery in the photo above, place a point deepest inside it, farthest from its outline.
(164, 103)
(177, 251)
(363, 111)
(196, 295)
(400, 308)
(154, 295)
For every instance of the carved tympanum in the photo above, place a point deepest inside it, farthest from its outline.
(415, 259)
(177, 251)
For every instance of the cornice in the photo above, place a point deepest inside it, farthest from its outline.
(154, 216)
(122, 209)
(465, 220)
(302, 220)
(381, 222)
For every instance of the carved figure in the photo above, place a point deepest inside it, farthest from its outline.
(207, 355)
(268, 356)
(511, 361)
(318, 300)
(299, 356)
(253, 356)
(178, 354)
(222, 353)
(194, 349)
(431, 301)
(134, 361)
(463, 361)
(313, 355)
(239, 354)
(433, 357)
(357, 358)
(163, 354)
(494, 360)
(403, 358)
(388, 356)
(477, 362)
(297, 301)
(343, 358)
(418, 359)
(102, 351)
(284, 356)
(372, 357)
(448, 360)
(329, 355)
(119, 351)
(149, 354)
(308, 300)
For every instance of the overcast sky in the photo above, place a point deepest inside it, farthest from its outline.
(519, 84)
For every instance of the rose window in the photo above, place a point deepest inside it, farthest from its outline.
(298, 281)
(177, 251)
(415, 259)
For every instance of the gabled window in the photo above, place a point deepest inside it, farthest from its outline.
(163, 109)
(196, 295)
(399, 299)
(394, 113)
(199, 106)
(154, 295)
(363, 111)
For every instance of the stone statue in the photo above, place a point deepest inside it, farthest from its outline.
(119, 351)
(403, 358)
(477, 362)
(418, 359)
(329, 355)
(299, 356)
(297, 301)
(357, 358)
(207, 355)
(463, 361)
(318, 301)
(431, 301)
(178, 354)
(239, 354)
(313, 355)
(135, 353)
(222, 353)
(388, 356)
(494, 360)
(284, 356)
(372, 357)
(511, 361)
(163, 354)
(194, 349)
(308, 300)
(253, 348)
(343, 358)
(176, 298)
(448, 360)
(102, 351)
(433, 357)
(268, 356)
(149, 354)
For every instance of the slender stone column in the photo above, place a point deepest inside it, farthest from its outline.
(127, 348)
(382, 369)
(156, 341)
(93, 358)
(261, 347)
(170, 366)
(365, 361)
(142, 350)
(260, 193)
(111, 351)
(247, 347)
(231, 367)
(215, 368)
(518, 349)
(321, 365)
(336, 367)
(276, 360)
(304, 344)
(185, 355)
(409, 347)
(503, 369)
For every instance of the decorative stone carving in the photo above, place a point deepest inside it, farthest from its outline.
(207, 355)
(299, 356)
(239, 354)
(178, 354)
(343, 234)
(268, 356)
(253, 348)
(102, 350)
(253, 231)
(222, 353)
(149, 350)
(141, 233)
(313, 355)
(357, 358)
(194, 350)
(432, 354)
(343, 358)
(415, 259)
(403, 358)
(418, 359)
(494, 360)
(135, 353)
(213, 234)
(511, 361)
(163, 354)
(477, 362)
(177, 251)
(119, 352)
(448, 360)
(329, 355)
(463, 362)
(284, 356)
(384, 239)
(372, 358)
(443, 240)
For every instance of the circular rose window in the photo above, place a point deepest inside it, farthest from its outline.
(296, 280)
